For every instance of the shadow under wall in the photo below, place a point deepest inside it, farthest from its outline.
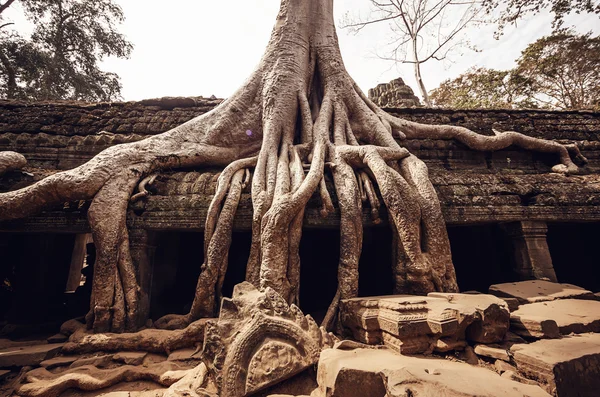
(574, 251)
(482, 256)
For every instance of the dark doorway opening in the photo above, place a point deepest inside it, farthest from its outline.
(375, 266)
(319, 257)
(33, 275)
(574, 251)
(482, 256)
(177, 262)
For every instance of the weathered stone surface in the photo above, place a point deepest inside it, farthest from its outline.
(28, 355)
(259, 340)
(502, 366)
(379, 373)
(569, 315)
(184, 355)
(492, 351)
(58, 362)
(416, 324)
(3, 374)
(395, 94)
(96, 361)
(408, 324)
(493, 317)
(130, 358)
(539, 291)
(58, 338)
(565, 367)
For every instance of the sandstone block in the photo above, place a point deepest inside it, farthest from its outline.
(58, 362)
(538, 291)
(379, 373)
(570, 315)
(492, 351)
(564, 367)
(493, 318)
(130, 358)
(28, 355)
(96, 361)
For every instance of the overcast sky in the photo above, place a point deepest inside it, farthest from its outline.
(209, 47)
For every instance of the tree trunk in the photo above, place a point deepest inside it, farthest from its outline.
(418, 77)
(299, 107)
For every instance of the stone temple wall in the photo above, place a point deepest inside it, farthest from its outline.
(474, 187)
(395, 94)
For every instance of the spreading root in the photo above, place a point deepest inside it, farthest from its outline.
(43, 383)
(299, 116)
(148, 340)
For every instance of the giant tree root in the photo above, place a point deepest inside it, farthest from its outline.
(10, 161)
(298, 114)
(43, 383)
(149, 340)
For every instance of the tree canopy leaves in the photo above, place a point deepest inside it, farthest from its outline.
(61, 58)
(513, 10)
(555, 72)
(484, 88)
(562, 69)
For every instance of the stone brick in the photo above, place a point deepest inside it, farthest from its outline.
(567, 367)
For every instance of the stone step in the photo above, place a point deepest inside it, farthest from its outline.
(379, 373)
(551, 318)
(566, 367)
(539, 291)
(28, 355)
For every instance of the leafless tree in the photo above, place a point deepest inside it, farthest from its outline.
(422, 29)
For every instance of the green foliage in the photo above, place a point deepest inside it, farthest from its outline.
(556, 72)
(562, 69)
(513, 10)
(484, 88)
(61, 58)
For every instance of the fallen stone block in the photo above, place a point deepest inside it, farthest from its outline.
(96, 361)
(28, 355)
(3, 374)
(568, 367)
(189, 354)
(532, 291)
(570, 315)
(379, 373)
(58, 362)
(259, 341)
(493, 318)
(58, 338)
(422, 324)
(492, 351)
(502, 366)
(533, 326)
(130, 358)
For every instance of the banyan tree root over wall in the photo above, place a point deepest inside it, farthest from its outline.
(298, 116)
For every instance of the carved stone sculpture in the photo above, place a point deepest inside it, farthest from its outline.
(260, 340)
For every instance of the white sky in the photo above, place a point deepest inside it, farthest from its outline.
(209, 47)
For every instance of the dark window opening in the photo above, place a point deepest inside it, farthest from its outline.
(573, 248)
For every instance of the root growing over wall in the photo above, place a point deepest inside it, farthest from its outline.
(298, 116)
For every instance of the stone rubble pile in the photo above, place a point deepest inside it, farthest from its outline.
(531, 338)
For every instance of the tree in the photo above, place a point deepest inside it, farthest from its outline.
(562, 70)
(422, 29)
(513, 10)
(60, 59)
(484, 88)
(300, 106)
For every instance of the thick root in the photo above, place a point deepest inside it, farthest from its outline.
(43, 383)
(11, 161)
(149, 340)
